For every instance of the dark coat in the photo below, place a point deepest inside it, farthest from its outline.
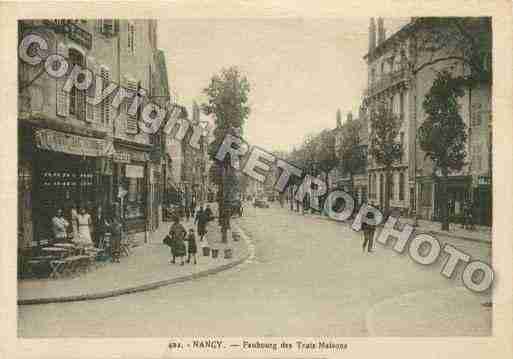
(202, 219)
(177, 234)
(191, 241)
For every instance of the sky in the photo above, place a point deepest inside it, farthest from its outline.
(300, 70)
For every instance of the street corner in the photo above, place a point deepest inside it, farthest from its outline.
(422, 313)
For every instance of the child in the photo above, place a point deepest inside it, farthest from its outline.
(192, 247)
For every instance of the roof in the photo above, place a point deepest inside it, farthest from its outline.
(398, 35)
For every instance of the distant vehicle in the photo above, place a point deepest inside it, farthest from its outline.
(261, 203)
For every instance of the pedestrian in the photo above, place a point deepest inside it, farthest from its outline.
(192, 248)
(84, 228)
(99, 225)
(193, 207)
(187, 213)
(116, 231)
(201, 220)
(209, 213)
(74, 222)
(368, 234)
(59, 226)
(177, 233)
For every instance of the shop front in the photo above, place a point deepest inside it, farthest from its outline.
(131, 178)
(58, 171)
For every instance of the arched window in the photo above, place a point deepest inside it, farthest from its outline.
(77, 104)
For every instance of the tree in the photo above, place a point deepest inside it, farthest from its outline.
(385, 148)
(442, 135)
(454, 39)
(227, 100)
(352, 159)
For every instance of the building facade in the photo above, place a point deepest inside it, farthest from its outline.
(72, 153)
(402, 69)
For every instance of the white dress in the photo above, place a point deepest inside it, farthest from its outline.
(84, 231)
(74, 224)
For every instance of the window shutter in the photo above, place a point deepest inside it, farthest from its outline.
(62, 96)
(89, 117)
(106, 110)
(131, 120)
(97, 108)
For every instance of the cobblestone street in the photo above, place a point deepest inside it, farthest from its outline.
(309, 277)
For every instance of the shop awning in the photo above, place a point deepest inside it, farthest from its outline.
(51, 140)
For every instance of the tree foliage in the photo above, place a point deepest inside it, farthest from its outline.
(385, 148)
(442, 135)
(350, 151)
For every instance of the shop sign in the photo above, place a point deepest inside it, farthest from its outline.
(51, 140)
(133, 171)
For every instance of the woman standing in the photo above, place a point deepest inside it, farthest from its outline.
(84, 228)
(202, 220)
(74, 221)
(116, 229)
(177, 233)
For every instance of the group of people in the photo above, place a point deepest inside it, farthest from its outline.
(183, 243)
(85, 230)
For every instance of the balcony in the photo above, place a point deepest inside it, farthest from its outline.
(385, 82)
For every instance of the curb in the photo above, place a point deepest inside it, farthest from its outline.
(140, 288)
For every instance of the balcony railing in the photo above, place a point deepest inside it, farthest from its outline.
(386, 81)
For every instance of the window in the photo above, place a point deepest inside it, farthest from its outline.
(382, 68)
(401, 139)
(131, 37)
(425, 194)
(373, 75)
(107, 27)
(392, 187)
(370, 186)
(401, 186)
(401, 105)
(77, 105)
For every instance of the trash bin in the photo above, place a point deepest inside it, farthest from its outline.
(206, 251)
(215, 252)
(228, 253)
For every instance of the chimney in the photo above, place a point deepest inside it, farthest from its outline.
(381, 31)
(372, 35)
(339, 119)
(349, 116)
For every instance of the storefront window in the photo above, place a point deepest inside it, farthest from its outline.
(135, 204)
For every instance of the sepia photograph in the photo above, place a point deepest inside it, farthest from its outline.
(122, 188)
(259, 185)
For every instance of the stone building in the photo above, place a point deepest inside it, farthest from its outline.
(401, 71)
(388, 83)
(74, 153)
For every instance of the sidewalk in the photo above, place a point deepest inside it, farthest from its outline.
(481, 234)
(146, 268)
